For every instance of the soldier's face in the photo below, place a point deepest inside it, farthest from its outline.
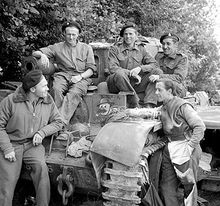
(41, 89)
(71, 35)
(130, 36)
(161, 92)
(169, 46)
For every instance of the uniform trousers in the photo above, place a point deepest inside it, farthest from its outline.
(68, 95)
(120, 81)
(33, 156)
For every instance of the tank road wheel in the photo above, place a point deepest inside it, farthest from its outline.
(122, 184)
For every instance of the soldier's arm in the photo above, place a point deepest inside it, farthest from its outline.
(90, 67)
(150, 64)
(55, 122)
(5, 111)
(195, 124)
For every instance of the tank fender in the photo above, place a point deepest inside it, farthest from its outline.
(122, 141)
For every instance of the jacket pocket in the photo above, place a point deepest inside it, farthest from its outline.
(81, 63)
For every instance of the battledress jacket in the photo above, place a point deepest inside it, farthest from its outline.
(19, 120)
(174, 67)
(122, 57)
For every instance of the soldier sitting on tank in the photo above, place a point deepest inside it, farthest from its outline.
(130, 66)
(184, 130)
(173, 63)
(75, 63)
(27, 116)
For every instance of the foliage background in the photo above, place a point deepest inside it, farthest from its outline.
(26, 25)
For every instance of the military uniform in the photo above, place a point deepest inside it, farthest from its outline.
(71, 61)
(123, 59)
(174, 67)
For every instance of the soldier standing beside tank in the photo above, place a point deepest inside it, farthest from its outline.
(76, 64)
(184, 129)
(173, 63)
(27, 116)
(130, 66)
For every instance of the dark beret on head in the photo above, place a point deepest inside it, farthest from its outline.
(128, 25)
(31, 79)
(71, 24)
(169, 35)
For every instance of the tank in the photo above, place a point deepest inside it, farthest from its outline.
(71, 158)
(111, 151)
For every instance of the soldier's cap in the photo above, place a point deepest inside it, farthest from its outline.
(31, 79)
(169, 35)
(128, 25)
(71, 24)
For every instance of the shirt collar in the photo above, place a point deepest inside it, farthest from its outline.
(21, 96)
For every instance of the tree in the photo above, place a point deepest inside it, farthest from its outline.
(27, 25)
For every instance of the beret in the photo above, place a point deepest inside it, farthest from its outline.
(71, 24)
(128, 25)
(169, 35)
(31, 79)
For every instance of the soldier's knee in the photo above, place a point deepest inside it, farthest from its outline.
(121, 75)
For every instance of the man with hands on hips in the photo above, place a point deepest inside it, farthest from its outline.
(75, 65)
(27, 116)
(130, 66)
(184, 130)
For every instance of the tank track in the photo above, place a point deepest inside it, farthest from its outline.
(122, 183)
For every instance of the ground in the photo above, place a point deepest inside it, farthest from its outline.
(87, 199)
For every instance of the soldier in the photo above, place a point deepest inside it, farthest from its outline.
(173, 63)
(76, 64)
(130, 66)
(184, 130)
(27, 116)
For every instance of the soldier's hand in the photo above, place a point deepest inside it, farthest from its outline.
(154, 78)
(138, 78)
(10, 156)
(37, 139)
(134, 72)
(44, 60)
(76, 78)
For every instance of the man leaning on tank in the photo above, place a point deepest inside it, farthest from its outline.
(184, 130)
